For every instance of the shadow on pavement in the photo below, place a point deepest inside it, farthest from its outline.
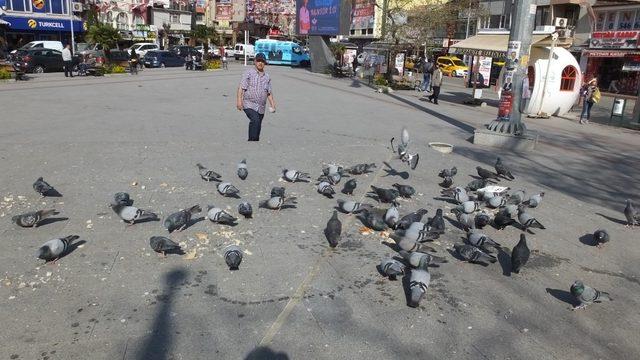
(265, 353)
(563, 296)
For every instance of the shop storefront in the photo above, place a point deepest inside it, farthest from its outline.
(614, 59)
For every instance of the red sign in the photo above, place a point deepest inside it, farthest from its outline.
(224, 12)
(614, 40)
(504, 106)
(605, 53)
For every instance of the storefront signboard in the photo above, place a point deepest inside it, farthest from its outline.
(363, 14)
(484, 68)
(400, 63)
(42, 24)
(614, 40)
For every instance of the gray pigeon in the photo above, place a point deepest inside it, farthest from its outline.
(458, 194)
(446, 182)
(632, 215)
(448, 173)
(277, 192)
(332, 169)
(468, 207)
(392, 216)
(373, 218)
(421, 260)
(486, 174)
(243, 172)
(333, 230)
(385, 195)
(208, 175)
(416, 232)
(502, 170)
(503, 219)
(360, 169)
(404, 142)
(418, 284)
(122, 198)
(294, 176)
(277, 203)
(476, 184)
(233, 256)
(534, 200)
(411, 245)
(481, 220)
(520, 255)
(163, 245)
(411, 218)
(392, 268)
(52, 250)
(31, 219)
(411, 160)
(180, 220)
(220, 216)
(528, 221)
(436, 223)
(226, 189)
(496, 202)
(42, 187)
(479, 239)
(406, 191)
(600, 237)
(131, 214)
(466, 220)
(349, 186)
(326, 189)
(517, 197)
(352, 206)
(245, 210)
(474, 255)
(587, 295)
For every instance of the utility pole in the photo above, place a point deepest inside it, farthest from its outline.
(509, 118)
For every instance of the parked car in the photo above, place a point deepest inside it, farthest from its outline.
(229, 51)
(183, 50)
(452, 66)
(142, 48)
(162, 58)
(39, 60)
(41, 44)
(90, 49)
(241, 49)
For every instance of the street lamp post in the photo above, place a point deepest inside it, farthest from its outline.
(73, 42)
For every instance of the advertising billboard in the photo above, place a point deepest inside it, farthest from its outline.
(224, 10)
(318, 17)
(363, 14)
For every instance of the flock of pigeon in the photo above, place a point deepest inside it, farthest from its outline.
(480, 203)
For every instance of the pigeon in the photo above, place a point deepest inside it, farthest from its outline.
(163, 245)
(326, 189)
(436, 223)
(411, 160)
(226, 189)
(468, 207)
(411, 218)
(481, 220)
(333, 169)
(349, 186)
(373, 218)
(496, 202)
(180, 220)
(392, 268)
(447, 182)
(122, 198)
(352, 206)
(632, 215)
(502, 170)
(476, 184)
(486, 174)
(52, 250)
(131, 214)
(31, 219)
(360, 169)
(421, 260)
(220, 216)
(392, 216)
(404, 142)
(208, 175)
(410, 245)
(385, 195)
(277, 192)
(294, 176)
(479, 239)
(245, 210)
(445, 173)
(528, 221)
(243, 172)
(458, 194)
(464, 219)
(519, 255)
(333, 230)
(406, 191)
(600, 237)
(334, 178)
(42, 187)
(534, 200)
(587, 295)
(418, 284)
(511, 210)
(277, 203)
(503, 219)
(417, 232)
(517, 197)
(233, 256)
(474, 255)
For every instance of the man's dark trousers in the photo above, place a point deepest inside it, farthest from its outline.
(255, 124)
(436, 93)
(68, 69)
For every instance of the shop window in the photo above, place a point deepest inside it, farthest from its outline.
(568, 79)
(56, 6)
(626, 20)
(531, 74)
(18, 5)
(612, 18)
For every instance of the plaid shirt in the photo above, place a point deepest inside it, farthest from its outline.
(256, 88)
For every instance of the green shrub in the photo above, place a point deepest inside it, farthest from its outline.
(4, 74)
(212, 64)
(379, 80)
(117, 69)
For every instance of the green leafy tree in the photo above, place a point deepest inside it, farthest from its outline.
(204, 33)
(105, 35)
(338, 51)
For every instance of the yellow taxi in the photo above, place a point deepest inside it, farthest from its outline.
(452, 66)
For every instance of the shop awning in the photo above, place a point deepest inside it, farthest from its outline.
(493, 45)
(42, 24)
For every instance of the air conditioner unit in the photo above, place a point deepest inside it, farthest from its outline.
(77, 7)
(560, 22)
(565, 33)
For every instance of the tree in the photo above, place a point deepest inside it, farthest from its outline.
(103, 34)
(205, 33)
(338, 51)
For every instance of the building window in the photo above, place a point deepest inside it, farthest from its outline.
(612, 18)
(542, 16)
(568, 79)
(600, 17)
(138, 20)
(110, 18)
(122, 21)
(18, 5)
(636, 24)
(175, 18)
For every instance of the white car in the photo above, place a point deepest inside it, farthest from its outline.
(142, 48)
(240, 49)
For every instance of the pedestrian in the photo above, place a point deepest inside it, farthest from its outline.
(223, 56)
(427, 70)
(253, 93)
(133, 62)
(436, 83)
(354, 63)
(591, 95)
(67, 61)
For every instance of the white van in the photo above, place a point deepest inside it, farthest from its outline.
(142, 48)
(45, 44)
(239, 51)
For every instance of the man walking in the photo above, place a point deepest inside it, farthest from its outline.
(68, 61)
(436, 83)
(427, 69)
(253, 93)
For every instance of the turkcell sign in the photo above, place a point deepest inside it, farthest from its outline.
(41, 24)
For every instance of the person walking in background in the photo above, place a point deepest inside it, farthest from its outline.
(591, 95)
(133, 62)
(427, 70)
(436, 83)
(253, 93)
(67, 60)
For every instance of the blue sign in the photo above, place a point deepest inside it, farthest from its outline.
(42, 24)
(318, 17)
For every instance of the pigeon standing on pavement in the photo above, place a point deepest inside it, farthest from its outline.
(410, 245)
(208, 175)
(294, 176)
(436, 223)
(502, 170)
(411, 218)
(476, 184)
(352, 206)
(519, 255)
(180, 220)
(534, 200)
(600, 237)
(220, 216)
(466, 220)
(632, 215)
(131, 214)
(163, 245)
(517, 197)
(404, 142)
(446, 182)
(421, 260)
(122, 198)
(468, 207)
(486, 174)
(349, 186)
(42, 187)
(481, 220)
(245, 210)
(233, 256)
(373, 218)
(417, 232)
(587, 295)
(333, 230)
(528, 221)
(418, 284)
(385, 195)
(474, 255)
(360, 169)
(326, 189)
(479, 239)
(392, 216)
(445, 173)
(277, 191)
(406, 191)
(226, 189)
(458, 194)
(277, 203)
(31, 219)
(52, 250)
(392, 268)
(503, 219)
(496, 202)
(243, 172)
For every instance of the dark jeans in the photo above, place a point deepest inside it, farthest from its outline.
(255, 124)
(586, 109)
(436, 93)
(426, 79)
(68, 69)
